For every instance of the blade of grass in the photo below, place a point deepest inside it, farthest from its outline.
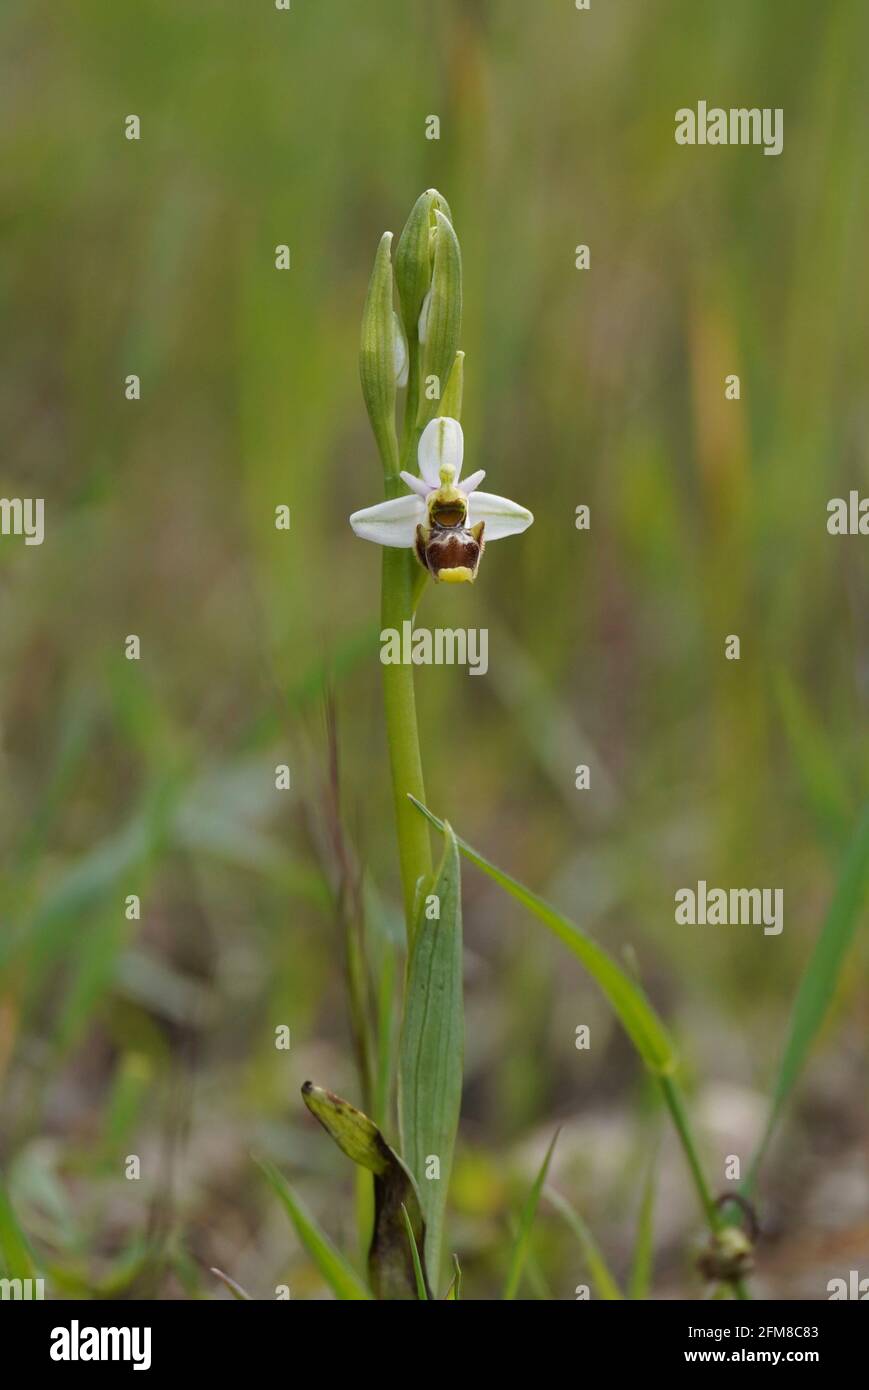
(335, 1269)
(421, 1291)
(641, 1267)
(823, 781)
(819, 981)
(676, 1105)
(454, 1292)
(386, 1030)
(526, 1221)
(599, 1271)
(638, 1018)
(532, 1272)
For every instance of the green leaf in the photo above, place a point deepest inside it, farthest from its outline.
(820, 979)
(526, 1221)
(377, 357)
(444, 316)
(421, 1290)
(14, 1248)
(641, 1268)
(335, 1269)
(599, 1272)
(432, 1044)
(390, 1265)
(825, 786)
(353, 1132)
(638, 1018)
(454, 1292)
(386, 1031)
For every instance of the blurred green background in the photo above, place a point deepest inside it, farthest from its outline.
(605, 387)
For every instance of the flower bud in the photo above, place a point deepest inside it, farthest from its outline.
(442, 320)
(400, 358)
(414, 256)
(377, 356)
(451, 400)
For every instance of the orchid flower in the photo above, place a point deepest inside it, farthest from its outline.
(444, 518)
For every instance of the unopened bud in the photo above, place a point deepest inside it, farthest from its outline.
(377, 356)
(414, 256)
(441, 317)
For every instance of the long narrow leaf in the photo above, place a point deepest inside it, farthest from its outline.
(638, 1018)
(641, 1268)
(338, 1273)
(421, 1290)
(454, 1292)
(432, 1045)
(598, 1269)
(519, 1253)
(390, 1267)
(823, 781)
(820, 978)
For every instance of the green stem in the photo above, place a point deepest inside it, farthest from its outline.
(414, 849)
(399, 596)
(714, 1219)
(673, 1097)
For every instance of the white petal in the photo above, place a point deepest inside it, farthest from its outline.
(441, 445)
(472, 481)
(422, 325)
(400, 349)
(416, 484)
(502, 517)
(390, 523)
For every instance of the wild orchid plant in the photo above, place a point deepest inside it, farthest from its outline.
(435, 523)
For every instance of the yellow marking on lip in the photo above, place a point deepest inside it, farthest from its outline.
(459, 574)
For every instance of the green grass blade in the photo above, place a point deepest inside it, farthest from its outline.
(454, 1292)
(338, 1273)
(386, 1031)
(641, 1267)
(526, 1221)
(820, 978)
(825, 786)
(601, 1277)
(421, 1290)
(432, 1045)
(638, 1018)
(14, 1248)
